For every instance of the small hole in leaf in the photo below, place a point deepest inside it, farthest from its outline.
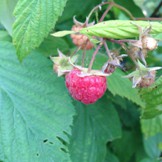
(51, 143)
(37, 154)
(63, 150)
(45, 140)
(63, 141)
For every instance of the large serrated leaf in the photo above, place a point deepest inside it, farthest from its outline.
(118, 85)
(153, 99)
(4, 36)
(34, 20)
(153, 147)
(131, 139)
(110, 157)
(120, 29)
(94, 126)
(50, 46)
(35, 109)
(152, 126)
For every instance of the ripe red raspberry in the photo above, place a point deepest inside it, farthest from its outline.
(87, 89)
(81, 40)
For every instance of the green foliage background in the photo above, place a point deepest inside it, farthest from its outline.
(40, 122)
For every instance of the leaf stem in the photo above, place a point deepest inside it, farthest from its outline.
(93, 57)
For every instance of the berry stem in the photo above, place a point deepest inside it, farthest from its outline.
(84, 53)
(149, 18)
(125, 10)
(105, 13)
(112, 4)
(107, 50)
(93, 57)
(121, 41)
(76, 50)
(83, 57)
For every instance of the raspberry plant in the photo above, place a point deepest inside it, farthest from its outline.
(80, 81)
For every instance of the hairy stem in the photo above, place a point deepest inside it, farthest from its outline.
(93, 57)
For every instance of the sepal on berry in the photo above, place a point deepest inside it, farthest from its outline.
(142, 74)
(85, 24)
(62, 64)
(84, 71)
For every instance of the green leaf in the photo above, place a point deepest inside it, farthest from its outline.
(118, 85)
(152, 146)
(4, 36)
(79, 8)
(158, 37)
(151, 126)
(150, 160)
(6, 17)
(62, 33)
(110, 157)
(152, 96)
(34, 21)
(120, 29)
(93, 127)
(135, 10)
(130, 139)
(36, 110)
(51, 44)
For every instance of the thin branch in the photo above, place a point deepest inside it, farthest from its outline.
(83, 57)
(93, 57)
(105, 13)
(107, 50)
(148, 18)
(156, 9)
(125, 10)
(76, 50)
(112, 4)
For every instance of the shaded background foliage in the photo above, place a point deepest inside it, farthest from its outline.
(40, 122)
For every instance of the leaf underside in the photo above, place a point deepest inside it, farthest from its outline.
(120, 29)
